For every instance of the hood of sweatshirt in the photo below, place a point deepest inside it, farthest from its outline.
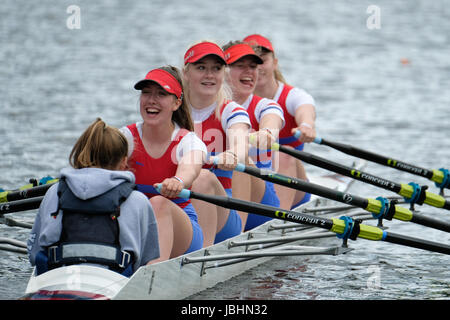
(88, 183)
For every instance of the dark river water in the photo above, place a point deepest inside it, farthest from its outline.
(378, 70)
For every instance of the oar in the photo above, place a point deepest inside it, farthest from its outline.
(412, 192)
(344, 227)
(20, 205)
(440, 177)
(31, 192)
(380, 207)
(33, 189)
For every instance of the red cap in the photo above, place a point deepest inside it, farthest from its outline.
(259, 40)
(203, 49)
(164, 79)
(234, 53)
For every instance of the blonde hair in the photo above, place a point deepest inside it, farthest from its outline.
(99, 146)
(278, 75)
(223, 95)
(277, 72)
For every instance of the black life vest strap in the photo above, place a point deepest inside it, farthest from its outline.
(108, 202)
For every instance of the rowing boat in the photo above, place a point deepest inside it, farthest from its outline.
(186, 275)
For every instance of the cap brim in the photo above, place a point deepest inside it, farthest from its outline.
(209, 54)
(142, 84)
(257, 58)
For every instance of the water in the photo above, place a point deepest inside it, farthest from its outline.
(54, 81)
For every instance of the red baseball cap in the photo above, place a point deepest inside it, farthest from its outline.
(164, 79)
(203, 49)
(259, 40)
(237, 51)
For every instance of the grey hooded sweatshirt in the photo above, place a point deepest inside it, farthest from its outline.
(137, 222)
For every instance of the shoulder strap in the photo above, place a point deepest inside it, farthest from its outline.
(108, 202)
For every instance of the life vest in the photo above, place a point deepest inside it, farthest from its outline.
(286, 137)
(90, 230)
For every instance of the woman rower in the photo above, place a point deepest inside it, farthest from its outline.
(223, 125)
(94, 208)
(164, 150)
(299, 113)
(267, 120)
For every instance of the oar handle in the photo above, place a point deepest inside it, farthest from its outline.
(185, 193)
(298, 134)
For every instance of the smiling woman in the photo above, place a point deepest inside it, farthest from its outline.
(223, 126)
(266, 118)
(299, 112)
(164, 150)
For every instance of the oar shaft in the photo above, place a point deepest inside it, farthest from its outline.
(264, 210)
(335, 225)
(20, 205)
(440, 177)
(306, 186)
(28, 193)
(403, 189)
(430, 222)
(360, 153)
(341, 169)
(371, 205)
(412, 242)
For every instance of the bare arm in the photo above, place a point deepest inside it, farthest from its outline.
(305, 117)
(188, 170)
(269, 128)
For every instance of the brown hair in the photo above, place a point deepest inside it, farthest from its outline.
(99, 146)
(231, 43)
(182, 115)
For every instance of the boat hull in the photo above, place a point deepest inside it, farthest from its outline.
(76, 282)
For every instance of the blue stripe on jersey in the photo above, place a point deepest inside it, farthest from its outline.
(240, 113)
(271, 107)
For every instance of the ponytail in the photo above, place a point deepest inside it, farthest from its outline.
(99, 146)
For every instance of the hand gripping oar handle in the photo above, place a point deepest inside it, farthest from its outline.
(298, 133)
(379, 207)
(411, 192)
(339, 226)
(440, 177)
